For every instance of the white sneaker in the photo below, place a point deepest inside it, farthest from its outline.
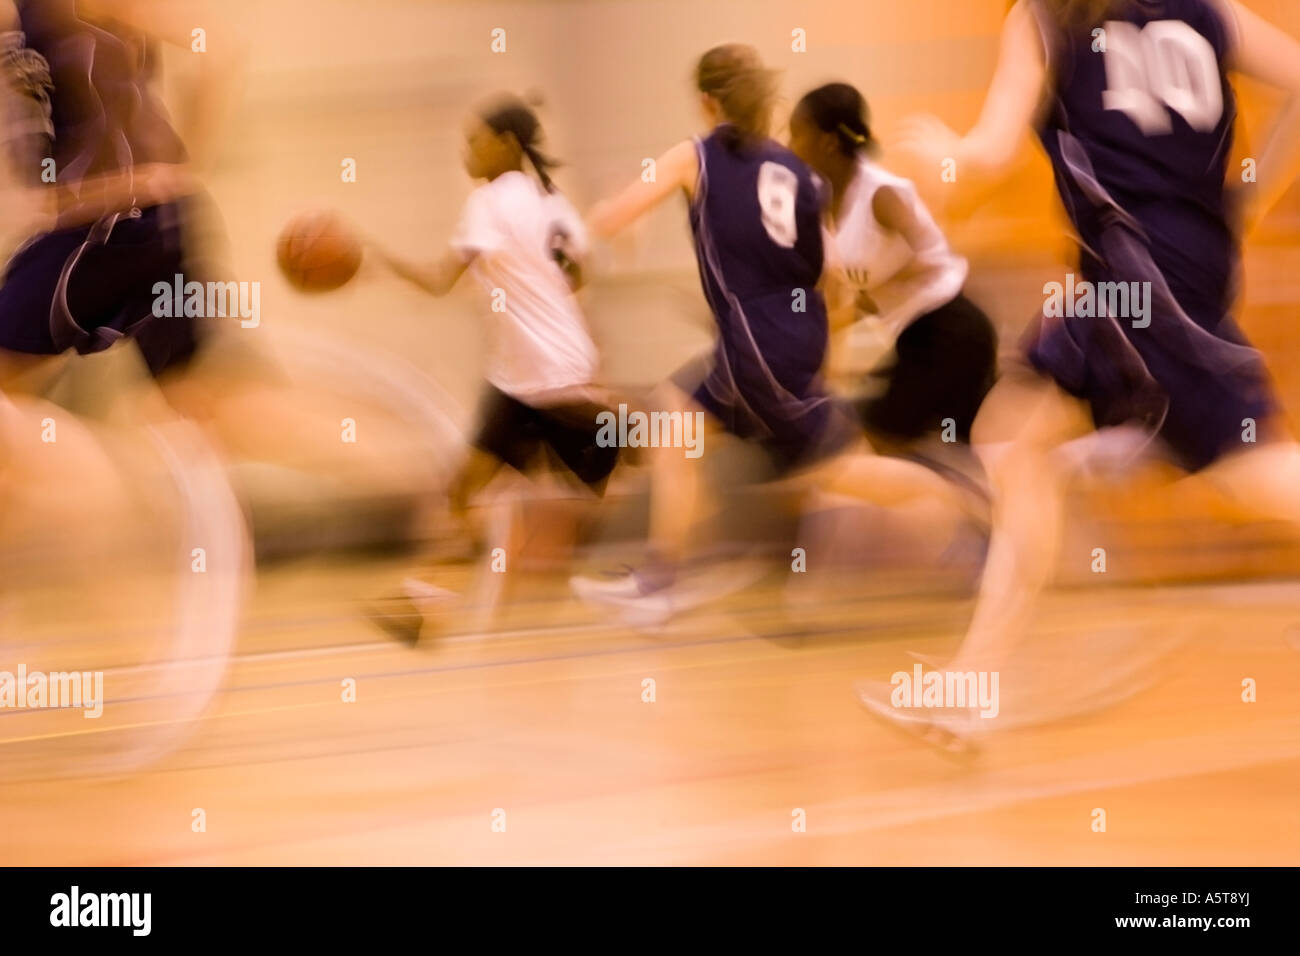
(600, 589)
(952, 730)
(639, 603)
(428, 598)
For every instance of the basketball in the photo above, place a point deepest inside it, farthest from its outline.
(318, 251)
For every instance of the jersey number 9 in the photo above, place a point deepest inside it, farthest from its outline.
(777, 187)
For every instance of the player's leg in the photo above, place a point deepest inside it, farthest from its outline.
(1263, 481)
(1023, 420)
(884, 481)
(508, 432)
(681, 497)
(30, 360)
(578, 462)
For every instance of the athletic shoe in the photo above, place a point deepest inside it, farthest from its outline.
(642, 600)
(403, 615)
(951, 730)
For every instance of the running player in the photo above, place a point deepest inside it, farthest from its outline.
(523, 241)
(1132, 102)
(122, 209)
(755, 213)
(121, 185)
(116, 201)
(899, 266)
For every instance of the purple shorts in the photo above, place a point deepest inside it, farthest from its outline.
(86, 287)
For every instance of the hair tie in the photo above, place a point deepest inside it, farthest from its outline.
(854, 137)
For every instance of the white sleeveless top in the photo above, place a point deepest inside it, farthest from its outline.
(904, 282)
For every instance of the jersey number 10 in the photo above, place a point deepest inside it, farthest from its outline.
(1163, 66)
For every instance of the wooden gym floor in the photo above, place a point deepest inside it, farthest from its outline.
(541, 724)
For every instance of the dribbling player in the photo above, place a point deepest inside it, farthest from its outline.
(523, 241)
(1138, 133)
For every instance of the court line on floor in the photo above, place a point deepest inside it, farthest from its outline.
(897, 630)
(906, 630)
(332, 702)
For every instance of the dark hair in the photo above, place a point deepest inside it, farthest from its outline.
(840, 109)
(734, 75)
(510, 114)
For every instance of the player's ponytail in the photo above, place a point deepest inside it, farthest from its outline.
(840, 109)
(744, 89)
(510, 114)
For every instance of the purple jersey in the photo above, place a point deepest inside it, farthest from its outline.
(1138, 132)
(756, 217)
(756, 220)
(105, 114)
(1140, 126)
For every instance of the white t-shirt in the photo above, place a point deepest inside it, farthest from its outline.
(539, 342)
(904, 282)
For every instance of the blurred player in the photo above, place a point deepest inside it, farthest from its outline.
(899, 266)
(755, 213)
(523, 241)
(108, 184)
(91, 135)
(1132, 103)
(119, 207)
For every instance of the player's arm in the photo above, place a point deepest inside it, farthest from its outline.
(836, 290)
(26, 133)
(676, 169)
(436, 278)
(908, 294)
(24, 98)
(893, 213)
(219, 66)
(1272, 56)
(1010, 108)
(841, 301)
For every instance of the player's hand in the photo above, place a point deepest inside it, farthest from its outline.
(165, 182)
(929, 139)
(865, 304)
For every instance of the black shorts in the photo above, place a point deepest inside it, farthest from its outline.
(514, 433)
(86, 287)
(946, 362)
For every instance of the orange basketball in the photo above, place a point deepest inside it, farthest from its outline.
(317, 251)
